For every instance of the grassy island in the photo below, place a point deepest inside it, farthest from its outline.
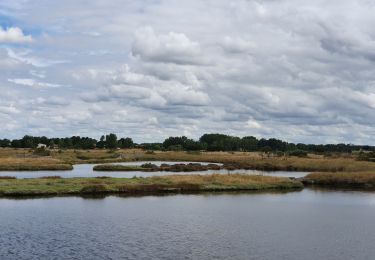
(357, 180)
(162, 184)
(149, 167)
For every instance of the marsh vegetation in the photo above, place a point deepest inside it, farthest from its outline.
(173, 183)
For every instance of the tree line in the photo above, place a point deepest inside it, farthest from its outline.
(109, 141)
(207, 142)
(221, 142)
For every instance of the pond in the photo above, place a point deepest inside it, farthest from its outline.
(85, 170)
(310, 224)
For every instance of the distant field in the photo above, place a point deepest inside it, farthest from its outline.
(33, 164)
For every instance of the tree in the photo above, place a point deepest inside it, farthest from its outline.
(126, 143)
(174, 141)
(4, 143)
(249, 143)
(101, 143)
(111, 141)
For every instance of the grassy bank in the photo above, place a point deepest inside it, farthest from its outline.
(180, 167)
(33, 164)
(162, 184)
(356, 180)
(115, 167)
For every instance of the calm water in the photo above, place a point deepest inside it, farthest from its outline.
(300, 225)
(85, 170)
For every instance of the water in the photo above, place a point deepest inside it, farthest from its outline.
(300, 225)
(85, 170)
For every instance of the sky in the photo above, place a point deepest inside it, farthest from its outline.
(302, 71)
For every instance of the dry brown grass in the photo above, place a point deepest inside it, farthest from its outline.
(250, 160)
(15, 153)
(342, 179)
(257, 161)
(221, 179)
(31, 164)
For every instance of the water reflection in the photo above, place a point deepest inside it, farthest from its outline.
(309, 224)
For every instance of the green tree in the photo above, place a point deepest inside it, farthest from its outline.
(111, 141)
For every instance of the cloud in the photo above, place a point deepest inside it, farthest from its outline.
(169, 48)
(33, 83)
(253, 124)
(237, 45)
(8, 110)
(293, 69)
(14, 35)
(25, 57)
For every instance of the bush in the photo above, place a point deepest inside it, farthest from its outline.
(298, 153)
(369, 156)
(42, 152)
(149, 165)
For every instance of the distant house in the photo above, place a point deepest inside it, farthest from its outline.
(41, 146)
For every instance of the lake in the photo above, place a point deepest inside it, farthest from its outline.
(310, 224)
(85, 170)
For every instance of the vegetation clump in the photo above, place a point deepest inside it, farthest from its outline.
(7, 177)
(118, 167)
(362, 180)
(42, 152)
(149, 167)
(163, 184)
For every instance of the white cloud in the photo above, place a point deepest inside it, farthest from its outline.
(33, 83)
(9, 110)
(14, 35)
(253, 124)
(25, 56)
(172, 47)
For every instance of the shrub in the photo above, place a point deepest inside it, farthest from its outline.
(42, 152)
(149, 165)
(94, 188)
(298, 153)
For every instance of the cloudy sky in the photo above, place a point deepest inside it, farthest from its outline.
(302, 71)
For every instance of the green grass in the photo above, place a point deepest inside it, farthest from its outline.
(162, 184)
